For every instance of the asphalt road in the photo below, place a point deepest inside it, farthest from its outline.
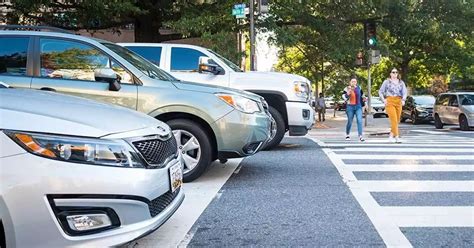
(315, 191)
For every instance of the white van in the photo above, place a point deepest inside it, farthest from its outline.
(288, 95)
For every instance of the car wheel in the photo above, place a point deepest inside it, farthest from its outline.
(403, 119)
(194, 145)
(463, 124)
(279, 129)
(437, 122)
(414, 121)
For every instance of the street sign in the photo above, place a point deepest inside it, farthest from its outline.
(374, 56)
(239, 10)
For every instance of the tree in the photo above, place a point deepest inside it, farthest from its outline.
(147, 16)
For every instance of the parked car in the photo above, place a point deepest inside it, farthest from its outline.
(209, 122)
(288, 95)
(418, 108)
(329, 101)
(75, 172)
(378, 107)
(455, 108)
(341, 105)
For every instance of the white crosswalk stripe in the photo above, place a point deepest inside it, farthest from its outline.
(449, 159)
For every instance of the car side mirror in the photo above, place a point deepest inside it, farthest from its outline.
(206, 64)
(109, 76)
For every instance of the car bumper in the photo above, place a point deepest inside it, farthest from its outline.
(425, 116)
(300, 118)
(239, 134)
(37, 192)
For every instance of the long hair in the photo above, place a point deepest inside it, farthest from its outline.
(390, 71)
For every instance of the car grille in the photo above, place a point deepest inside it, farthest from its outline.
(159, 204)
(156, 151)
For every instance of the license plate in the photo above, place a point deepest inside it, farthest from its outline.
(176, 177)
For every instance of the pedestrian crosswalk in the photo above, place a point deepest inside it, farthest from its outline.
(421, 183)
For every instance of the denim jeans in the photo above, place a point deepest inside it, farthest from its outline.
(352, 110)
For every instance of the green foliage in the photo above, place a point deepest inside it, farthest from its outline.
(423, 39)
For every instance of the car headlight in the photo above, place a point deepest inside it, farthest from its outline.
(78, 150)
(240, 103)
(301, 89)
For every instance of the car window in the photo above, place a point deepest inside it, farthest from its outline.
(466, 99)
(13, 55)
(453, 100)
(138, 62)
(153, 54)
(76, 61)
(442, 100)
(424, 100)
(185, 59)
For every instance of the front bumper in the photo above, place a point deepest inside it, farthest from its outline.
(239, 134)
(34, 189)
(300, 118)
(424, 115)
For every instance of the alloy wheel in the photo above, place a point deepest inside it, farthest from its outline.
(189, 147)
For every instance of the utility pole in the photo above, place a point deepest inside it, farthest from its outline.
(252, 35)
(369, 90)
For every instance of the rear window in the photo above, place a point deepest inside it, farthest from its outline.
(152, 54)
(13, 55)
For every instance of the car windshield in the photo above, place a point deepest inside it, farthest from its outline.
(424, 100)
(140, 63)
(467, 99)
(229, 63)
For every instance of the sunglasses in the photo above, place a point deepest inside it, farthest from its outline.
(394, 72)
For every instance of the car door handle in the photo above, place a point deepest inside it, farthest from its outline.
(48, 89)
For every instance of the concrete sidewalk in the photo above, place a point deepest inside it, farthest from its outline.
(335, 126)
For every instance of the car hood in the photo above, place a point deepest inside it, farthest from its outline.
(198, 87)
(277, 76)
(48, 112)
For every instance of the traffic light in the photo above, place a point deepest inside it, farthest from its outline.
(370, 34)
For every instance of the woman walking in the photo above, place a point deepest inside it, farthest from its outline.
(393, 92)
(353, 95)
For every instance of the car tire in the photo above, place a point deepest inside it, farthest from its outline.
(414, 121)
(185, 130)
(403, 119)
(463, 123)
(280, 129)
(437, 122)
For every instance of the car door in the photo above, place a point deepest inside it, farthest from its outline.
(15, 61)
(69, 66)
(184, 65)
(453, 110)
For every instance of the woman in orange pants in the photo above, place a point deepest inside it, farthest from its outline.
(393, 92)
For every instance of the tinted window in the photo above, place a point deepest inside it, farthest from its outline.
(74, 60)
(153, 54)
(443, 100)
(185, 59)
(424, 100)
(453, 100)
(466, 99)
(13, 53)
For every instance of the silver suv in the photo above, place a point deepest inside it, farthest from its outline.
(454, 108)
(208, 122)
(72, 175)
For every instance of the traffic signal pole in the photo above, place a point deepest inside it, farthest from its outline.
(252, 35)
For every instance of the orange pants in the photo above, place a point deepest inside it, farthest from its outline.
(394, 111)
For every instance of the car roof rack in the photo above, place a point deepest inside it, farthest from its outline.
(34, 28)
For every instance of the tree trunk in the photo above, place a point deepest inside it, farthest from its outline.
(404, 67)
(147, 28)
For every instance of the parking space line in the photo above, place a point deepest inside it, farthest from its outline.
(405, 157)
(199, 194)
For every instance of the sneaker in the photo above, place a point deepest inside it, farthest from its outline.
(398, 140)
(361, 139)
(391, 139)
(347, 137)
